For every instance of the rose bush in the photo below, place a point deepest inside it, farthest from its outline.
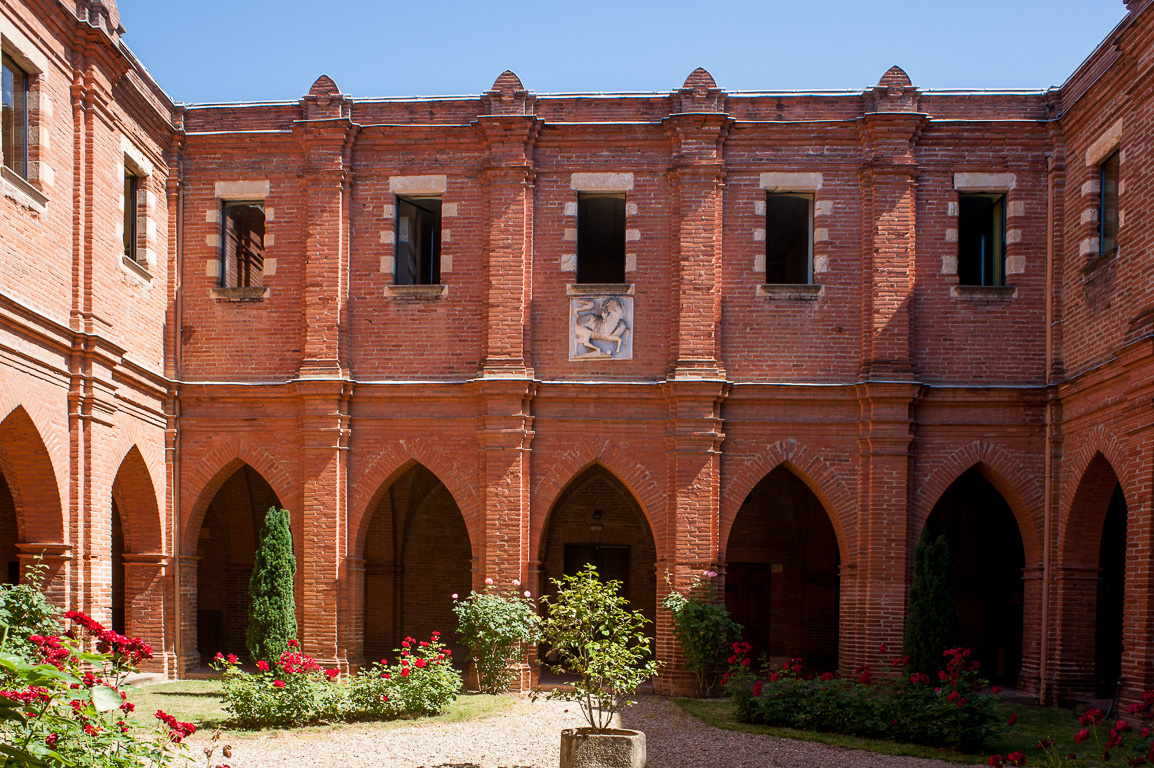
(704, 629)
(949, 711)
(496, 627)
(296, 690)
(60, 705)
(1119, 741)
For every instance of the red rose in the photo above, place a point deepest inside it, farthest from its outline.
(1082, 735)
(279, 683)
(1013, 720)
(420, 663)
(405, 672)
(745, 662)
(262, 665)
(232, 658)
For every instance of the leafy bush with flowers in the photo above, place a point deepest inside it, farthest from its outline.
(61, 705)
(1122, 741)
(496, 627)
(296, 690)
(704, 629)
(290, 691)
(422, 681)
(949, 711)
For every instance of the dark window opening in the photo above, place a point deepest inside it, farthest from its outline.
(14, 117)
(982, 240)
(242, 247)
(1108, 174)
(131, 192)
(788, 238)
(600, 238)
(418, 241)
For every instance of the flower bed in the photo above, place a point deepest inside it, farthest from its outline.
(295, 690)
(948, 712)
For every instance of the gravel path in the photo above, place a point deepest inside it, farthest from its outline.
(528, 736)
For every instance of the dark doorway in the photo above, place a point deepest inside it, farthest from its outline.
(781, 574)
(226, 547)
(9, 557)
(986, 546)
(117, 572)
(596, 520)
(417, 555)
(1111, 600)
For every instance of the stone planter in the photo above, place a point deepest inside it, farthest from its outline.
(582, 748)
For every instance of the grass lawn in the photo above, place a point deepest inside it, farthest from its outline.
(199, 702)
(1034, 724)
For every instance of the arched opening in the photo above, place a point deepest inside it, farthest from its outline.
(986, 546)
(781, 573)
(9, 535)
(596, 520)
(226, 546)
(117, 572)
(30, 508)
(1111, 603)
(417, 555)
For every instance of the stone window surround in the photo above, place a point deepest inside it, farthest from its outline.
(428, 185)
(802, 183)
(1003, 183)
(29, 192)
(247, 190)
(608, 183)
(1099, 150)
(136, 162)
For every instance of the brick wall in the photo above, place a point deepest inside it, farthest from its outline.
(876, 391)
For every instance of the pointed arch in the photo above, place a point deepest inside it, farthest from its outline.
(1099, 441)
(27, 465)
(564, 467)
(1080, 529)
(1021, 492)
(810, 468)
(392, 462)
(135, 496)
(210, 471)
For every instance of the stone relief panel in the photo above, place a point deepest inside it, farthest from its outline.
(601, 328)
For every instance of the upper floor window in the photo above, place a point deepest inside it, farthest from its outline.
(242, 245)
(982, 239)
(1108, 173)
(131, 210)
(600, 238)
(14, 119)
(788, 238)
(418, 241)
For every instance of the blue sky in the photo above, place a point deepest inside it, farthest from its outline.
(250, 50)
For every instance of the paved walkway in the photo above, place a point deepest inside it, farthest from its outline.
(528, 736)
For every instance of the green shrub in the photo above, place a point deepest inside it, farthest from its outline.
(704, 629)
(496, 628)
(597, 639)
(945, 711)
(295, 690)
(60, 705)
(25, 611)
(272, 613)
(932, 623)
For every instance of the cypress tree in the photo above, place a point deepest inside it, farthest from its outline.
(932, 623)
(272, 613)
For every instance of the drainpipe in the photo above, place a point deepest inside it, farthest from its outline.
(178, 645)
(1047, 504)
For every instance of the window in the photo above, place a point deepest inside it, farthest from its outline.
(982, 239)
(14, 120)
(788, 238)
(131, 202)
(600, 238)
(1108, 173)
(418, 241)
(242, 245)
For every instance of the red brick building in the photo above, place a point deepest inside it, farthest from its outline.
(775, 335)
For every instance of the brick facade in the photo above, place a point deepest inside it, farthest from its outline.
(426, 438)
